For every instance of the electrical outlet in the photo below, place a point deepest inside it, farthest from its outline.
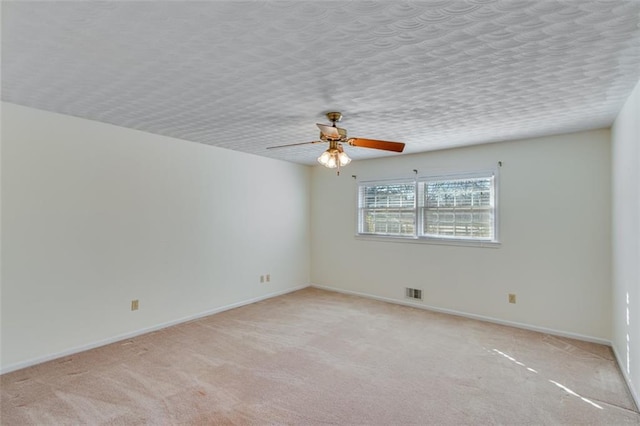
(268, 278)
(261, 278)
(134, 305)
(512, 298)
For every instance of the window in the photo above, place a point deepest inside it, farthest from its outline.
(458, 208)
(388, 208)
(461, 208)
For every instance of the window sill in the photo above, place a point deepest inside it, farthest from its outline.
(424, 240)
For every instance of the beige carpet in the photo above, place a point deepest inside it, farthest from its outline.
(317, 357)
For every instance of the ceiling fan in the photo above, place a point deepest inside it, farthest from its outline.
(336, 136)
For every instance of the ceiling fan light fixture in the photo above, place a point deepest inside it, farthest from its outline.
(334, 157)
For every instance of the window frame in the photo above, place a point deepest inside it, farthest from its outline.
(419, 181)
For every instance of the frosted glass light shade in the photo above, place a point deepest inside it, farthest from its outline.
(343, 158)
(324, 158)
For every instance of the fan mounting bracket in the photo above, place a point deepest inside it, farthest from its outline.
(334, 116)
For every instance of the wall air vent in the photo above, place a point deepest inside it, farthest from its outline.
(413, 293)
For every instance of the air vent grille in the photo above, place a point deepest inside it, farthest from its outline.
(413, 293)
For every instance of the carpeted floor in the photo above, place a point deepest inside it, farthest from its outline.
(318, 357)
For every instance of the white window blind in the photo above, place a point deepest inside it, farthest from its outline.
(387, 208)
(457, 208)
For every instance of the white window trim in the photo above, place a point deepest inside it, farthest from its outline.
(454, 241)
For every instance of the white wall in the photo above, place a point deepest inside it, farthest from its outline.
(95, 215)
(626, 240)
(554, 227)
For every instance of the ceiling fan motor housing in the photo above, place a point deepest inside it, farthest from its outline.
(342, 132)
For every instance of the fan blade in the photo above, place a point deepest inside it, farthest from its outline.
(329, 131)
(375, 144)
(293, 144)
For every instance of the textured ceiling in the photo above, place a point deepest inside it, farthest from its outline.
(247, 75)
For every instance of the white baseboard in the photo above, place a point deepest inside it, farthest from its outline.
(471, 316)
(93, 345)
(632, 390)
